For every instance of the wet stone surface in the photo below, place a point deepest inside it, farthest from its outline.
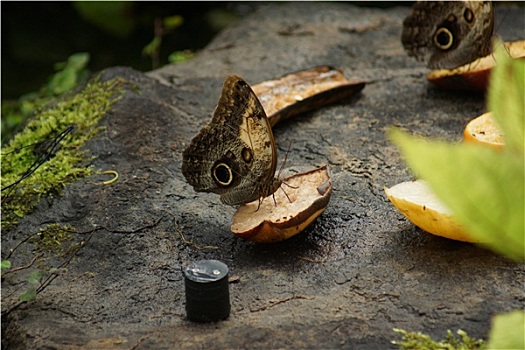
(358, 272)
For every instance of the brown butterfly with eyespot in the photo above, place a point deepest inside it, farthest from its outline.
(235, 154)
(448, 34)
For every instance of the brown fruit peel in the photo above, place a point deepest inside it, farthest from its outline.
(309, 194)
(473, 76)
(305, 90)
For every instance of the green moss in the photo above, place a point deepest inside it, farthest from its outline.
(420, 341)
(67, 163)
(54, 239)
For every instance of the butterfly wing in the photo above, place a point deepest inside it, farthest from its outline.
(234, 155)
(448, 34)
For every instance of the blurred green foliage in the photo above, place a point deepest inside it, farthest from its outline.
(114, 33)
(483, 187)
(508, 331)
(69, 74)
(6, 264)
(163, 27)
(34, 279)
(112, 16)
(180, 56)
(104, 34)
(420, 341)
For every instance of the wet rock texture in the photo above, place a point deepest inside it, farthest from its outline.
(358, 272)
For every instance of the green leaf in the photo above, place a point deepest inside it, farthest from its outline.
(6, 264)
(152, 47)
(505, 98)
(180, 56)
(69, 74)
(28, 295)
(78, 61)
(62, 81)
(115, 17)
(173, 22)
(507, 331)
(35, 276)
(483, 187)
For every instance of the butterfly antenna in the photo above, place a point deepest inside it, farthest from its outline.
(497, 28)
(500, 22)
(281, 169)
(285, 160)
(505, 47)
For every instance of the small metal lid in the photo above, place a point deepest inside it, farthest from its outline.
(207, 291)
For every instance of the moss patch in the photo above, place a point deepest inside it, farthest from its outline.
(54, 238)
(420, 341)
(62, 161)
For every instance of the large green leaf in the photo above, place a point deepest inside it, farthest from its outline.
(483, 187)
(506, 99)
(508, 331)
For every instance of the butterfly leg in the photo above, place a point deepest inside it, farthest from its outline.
(286, 194)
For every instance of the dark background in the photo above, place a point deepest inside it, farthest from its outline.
(36, 35)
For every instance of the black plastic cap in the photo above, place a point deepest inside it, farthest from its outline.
(207, 291)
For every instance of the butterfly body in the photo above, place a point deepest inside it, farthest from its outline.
(234, 155)
(448, 34)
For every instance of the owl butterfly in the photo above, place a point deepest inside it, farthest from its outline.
(448, 34)
(234, 155)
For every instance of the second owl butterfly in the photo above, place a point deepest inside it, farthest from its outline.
(448, 34)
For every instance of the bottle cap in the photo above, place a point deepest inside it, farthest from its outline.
(207, 291)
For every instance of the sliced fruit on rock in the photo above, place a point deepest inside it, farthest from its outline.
(473, 76)
(416, 201)
(484, 130)
(304, 91)
(301, 199)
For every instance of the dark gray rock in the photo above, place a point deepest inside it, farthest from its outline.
(358, 272)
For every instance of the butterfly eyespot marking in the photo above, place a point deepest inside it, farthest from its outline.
(443, 38)
(247, 155)
(468, 15)
(448, 34)
(222, 174)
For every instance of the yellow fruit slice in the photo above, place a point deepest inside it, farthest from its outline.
(484, 130)
(416, 201)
